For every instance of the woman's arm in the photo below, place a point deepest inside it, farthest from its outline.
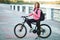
(30, 14)
(38, 14)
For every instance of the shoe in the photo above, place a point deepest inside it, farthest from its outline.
(31, 30)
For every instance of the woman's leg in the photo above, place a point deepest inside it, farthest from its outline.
(29, 21)
(38, 27)
(38, 24)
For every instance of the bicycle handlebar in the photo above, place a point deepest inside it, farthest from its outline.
(24, 16)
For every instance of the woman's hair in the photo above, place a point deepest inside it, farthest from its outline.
(37, 4)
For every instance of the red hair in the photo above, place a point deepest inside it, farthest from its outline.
(37, 4)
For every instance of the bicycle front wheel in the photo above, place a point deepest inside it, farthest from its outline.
(45, 31)
(20, 30)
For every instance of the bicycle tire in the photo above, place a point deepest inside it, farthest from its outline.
(49, 29)
(15, 31)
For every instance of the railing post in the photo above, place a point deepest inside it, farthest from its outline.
(12, 7)
(15, 7)
(20, 8)
(27, 9)
(48, 13)
(52, 14)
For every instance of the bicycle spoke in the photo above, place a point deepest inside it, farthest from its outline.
(20, 31)
(45, 31)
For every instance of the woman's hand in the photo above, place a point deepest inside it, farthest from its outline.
(33, 12)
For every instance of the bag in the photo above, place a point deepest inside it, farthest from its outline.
(42, 16)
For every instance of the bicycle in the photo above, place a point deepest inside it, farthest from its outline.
(43, 32)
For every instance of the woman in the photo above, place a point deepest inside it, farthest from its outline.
(36, 16)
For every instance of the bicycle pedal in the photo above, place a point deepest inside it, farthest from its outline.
(34, 31)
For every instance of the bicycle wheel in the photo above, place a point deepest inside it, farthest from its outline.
(45, 31)
(20, 30)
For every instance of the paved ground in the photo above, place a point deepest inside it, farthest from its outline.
(8, 19)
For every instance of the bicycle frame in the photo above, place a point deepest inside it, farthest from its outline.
(38, 31)
(24, 20)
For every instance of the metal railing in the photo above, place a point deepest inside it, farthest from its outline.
(50, 12)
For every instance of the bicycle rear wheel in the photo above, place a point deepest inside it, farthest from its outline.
(20, 31)
(45, 31)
